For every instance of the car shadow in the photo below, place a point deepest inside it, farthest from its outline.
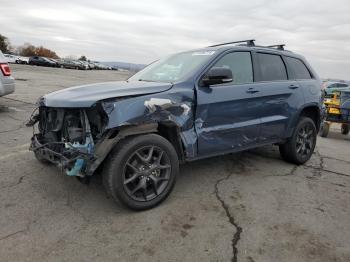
(199, 175)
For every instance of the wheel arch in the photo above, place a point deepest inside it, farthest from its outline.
(167, 129)
(312, 111)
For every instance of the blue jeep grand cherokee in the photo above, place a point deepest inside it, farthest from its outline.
(191, 105)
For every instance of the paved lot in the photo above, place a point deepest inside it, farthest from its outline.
(248, 207)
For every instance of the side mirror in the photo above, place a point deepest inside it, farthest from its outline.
(217, 75)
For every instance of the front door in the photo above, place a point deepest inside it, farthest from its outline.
(227, 117)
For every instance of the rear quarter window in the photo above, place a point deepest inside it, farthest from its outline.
(272, 67)
(300, 71)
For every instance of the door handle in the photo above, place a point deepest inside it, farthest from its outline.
(252, 91)
(293, 87)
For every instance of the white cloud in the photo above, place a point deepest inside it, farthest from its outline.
(62, 38)
(53, 14)
(142, 31)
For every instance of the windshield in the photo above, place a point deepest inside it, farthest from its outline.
(173, 68)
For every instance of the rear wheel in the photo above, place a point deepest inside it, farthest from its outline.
(141, 171)
(324, 130)
(299, 148)
(345, 128)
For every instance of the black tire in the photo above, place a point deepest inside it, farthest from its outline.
(345, 128)
(129, 157)
(324, 130)
(299, 148)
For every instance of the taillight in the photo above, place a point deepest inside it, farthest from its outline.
(5, 69)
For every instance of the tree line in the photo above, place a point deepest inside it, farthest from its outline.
(28, 49)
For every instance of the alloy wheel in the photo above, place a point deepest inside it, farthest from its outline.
(146, 173)
(305, 140)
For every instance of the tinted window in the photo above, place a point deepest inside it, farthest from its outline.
(240, 64)
(271, 67)
(337, 85)
(344, 96)
(298, 67)
(342, 85)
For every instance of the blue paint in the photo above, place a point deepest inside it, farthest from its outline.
(80, 163)
(75, 171)
(218, 118)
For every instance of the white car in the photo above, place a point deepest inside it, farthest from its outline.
(7, 82)
(23, 60)
(12, 59)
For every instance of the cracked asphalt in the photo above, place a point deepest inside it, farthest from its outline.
(250, 206)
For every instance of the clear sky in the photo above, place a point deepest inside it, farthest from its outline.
(142, 31)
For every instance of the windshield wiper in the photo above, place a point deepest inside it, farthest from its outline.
(145, 80)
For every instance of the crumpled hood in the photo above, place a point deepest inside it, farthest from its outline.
(87, 95)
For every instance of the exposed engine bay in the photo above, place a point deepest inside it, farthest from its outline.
(78, 137)
(67, 137)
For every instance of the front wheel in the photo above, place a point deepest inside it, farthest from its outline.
(299, 148)
(345, 128)
(141, 171)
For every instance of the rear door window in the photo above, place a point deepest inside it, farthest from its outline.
(272, 67)
(299, 69)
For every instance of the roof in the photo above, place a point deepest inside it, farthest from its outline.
(248, 44)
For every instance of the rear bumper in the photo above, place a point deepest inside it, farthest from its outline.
(7, 88)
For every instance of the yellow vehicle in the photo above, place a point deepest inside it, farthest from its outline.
(337, 110)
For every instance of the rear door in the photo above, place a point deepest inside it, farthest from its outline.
(280, 96)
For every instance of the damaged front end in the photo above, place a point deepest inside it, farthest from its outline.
(66, 137)
(79, 139)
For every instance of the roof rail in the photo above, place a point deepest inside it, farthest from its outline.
(249, 42)
(279, 47)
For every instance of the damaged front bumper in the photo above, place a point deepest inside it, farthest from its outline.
(65, 139)
(70, 158)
